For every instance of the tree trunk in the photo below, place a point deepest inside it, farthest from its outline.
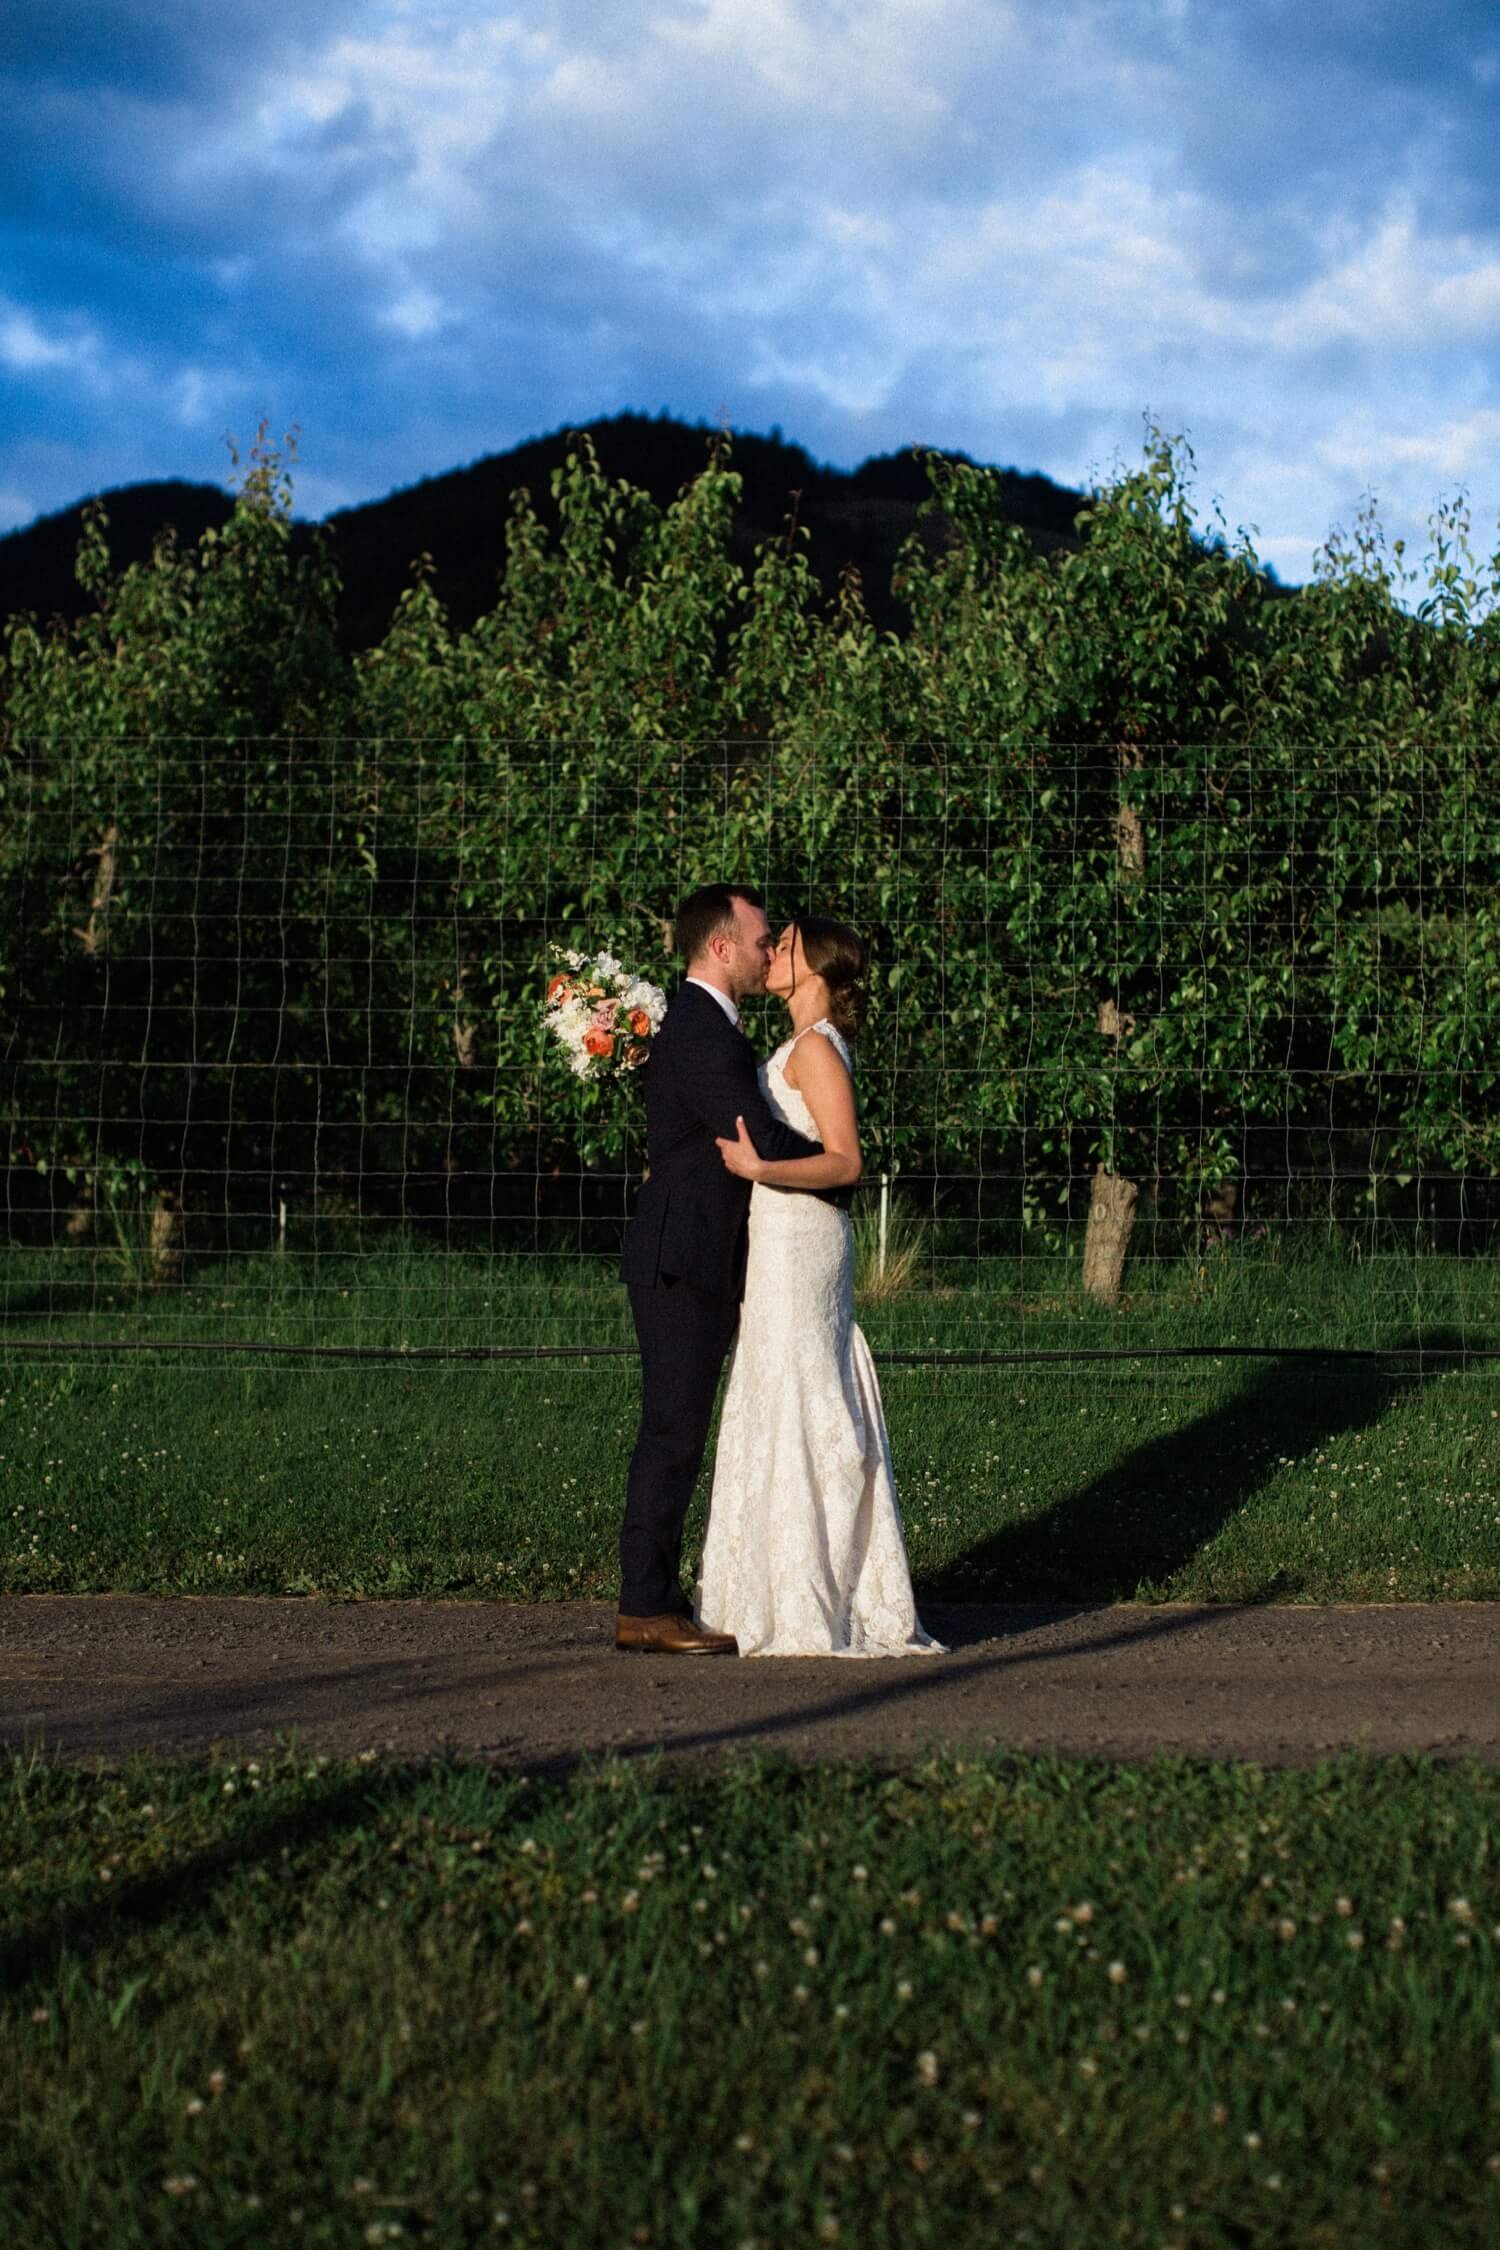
(79, 1226)
(1111, 1217)
(465, 1032)
(95, 932)
(1112, 1199)
(1220, 1211)
(167, 1235)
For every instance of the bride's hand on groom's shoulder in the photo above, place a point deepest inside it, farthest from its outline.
(739, 1154)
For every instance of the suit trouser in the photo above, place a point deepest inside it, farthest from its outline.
(684, 1339)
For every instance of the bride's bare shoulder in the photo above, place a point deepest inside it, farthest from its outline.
(821, 1043)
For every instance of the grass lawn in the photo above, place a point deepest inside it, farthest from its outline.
(1207, 1479)
(1027, 2002)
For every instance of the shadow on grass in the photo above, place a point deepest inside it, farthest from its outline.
(190, 1890)
(1142, 1521)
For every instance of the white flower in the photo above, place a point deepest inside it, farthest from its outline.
(605, 965)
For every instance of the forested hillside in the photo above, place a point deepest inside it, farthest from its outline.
(857, 517)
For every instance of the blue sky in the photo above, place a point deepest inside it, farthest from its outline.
(425, 232)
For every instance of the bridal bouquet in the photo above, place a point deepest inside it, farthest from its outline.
(605, 1017)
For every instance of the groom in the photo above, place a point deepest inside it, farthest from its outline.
(684, 1252)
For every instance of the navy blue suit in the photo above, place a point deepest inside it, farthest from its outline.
(684, 1264)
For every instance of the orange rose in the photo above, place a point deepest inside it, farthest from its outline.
(597, 1042)
(558, 985)
(640, 1023)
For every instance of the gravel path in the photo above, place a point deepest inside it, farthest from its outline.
(95, 1677)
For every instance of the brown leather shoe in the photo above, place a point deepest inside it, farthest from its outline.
(672, 1635)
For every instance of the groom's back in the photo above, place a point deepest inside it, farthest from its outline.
(677, 1137)
(689, 1219)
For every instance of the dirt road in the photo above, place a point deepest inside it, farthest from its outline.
(93, 1678)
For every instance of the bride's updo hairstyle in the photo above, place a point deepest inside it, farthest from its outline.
(841, 958)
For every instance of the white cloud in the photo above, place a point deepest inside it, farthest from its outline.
(416, 314)
(1442, 456)
(1401, 284)
(16, 508)
(26, 349)
(190, 397)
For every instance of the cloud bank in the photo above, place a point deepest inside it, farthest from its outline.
(423, 233)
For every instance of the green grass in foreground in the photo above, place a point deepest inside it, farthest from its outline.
(1019, 2001)
(1208, 1480)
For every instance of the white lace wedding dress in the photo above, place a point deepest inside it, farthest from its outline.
(803, 1554)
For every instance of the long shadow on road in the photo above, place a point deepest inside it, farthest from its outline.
(1140, 1522)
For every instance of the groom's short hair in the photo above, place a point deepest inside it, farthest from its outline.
(704, 913)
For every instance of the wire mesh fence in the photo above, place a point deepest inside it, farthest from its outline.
(1173, 1049)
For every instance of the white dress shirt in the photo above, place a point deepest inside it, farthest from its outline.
(723, 998)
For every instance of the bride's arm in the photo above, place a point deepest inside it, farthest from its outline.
(826, 1087)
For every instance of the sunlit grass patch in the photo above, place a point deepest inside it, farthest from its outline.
(1210, 1478)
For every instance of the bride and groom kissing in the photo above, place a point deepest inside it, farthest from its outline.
(741, 1247)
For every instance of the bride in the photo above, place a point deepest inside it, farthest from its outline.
(803, 1554)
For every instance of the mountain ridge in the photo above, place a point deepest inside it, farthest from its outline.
(855, 517)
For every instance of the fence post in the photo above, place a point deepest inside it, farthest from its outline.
(885, 1217)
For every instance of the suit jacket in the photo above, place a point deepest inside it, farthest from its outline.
(690, 1222)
